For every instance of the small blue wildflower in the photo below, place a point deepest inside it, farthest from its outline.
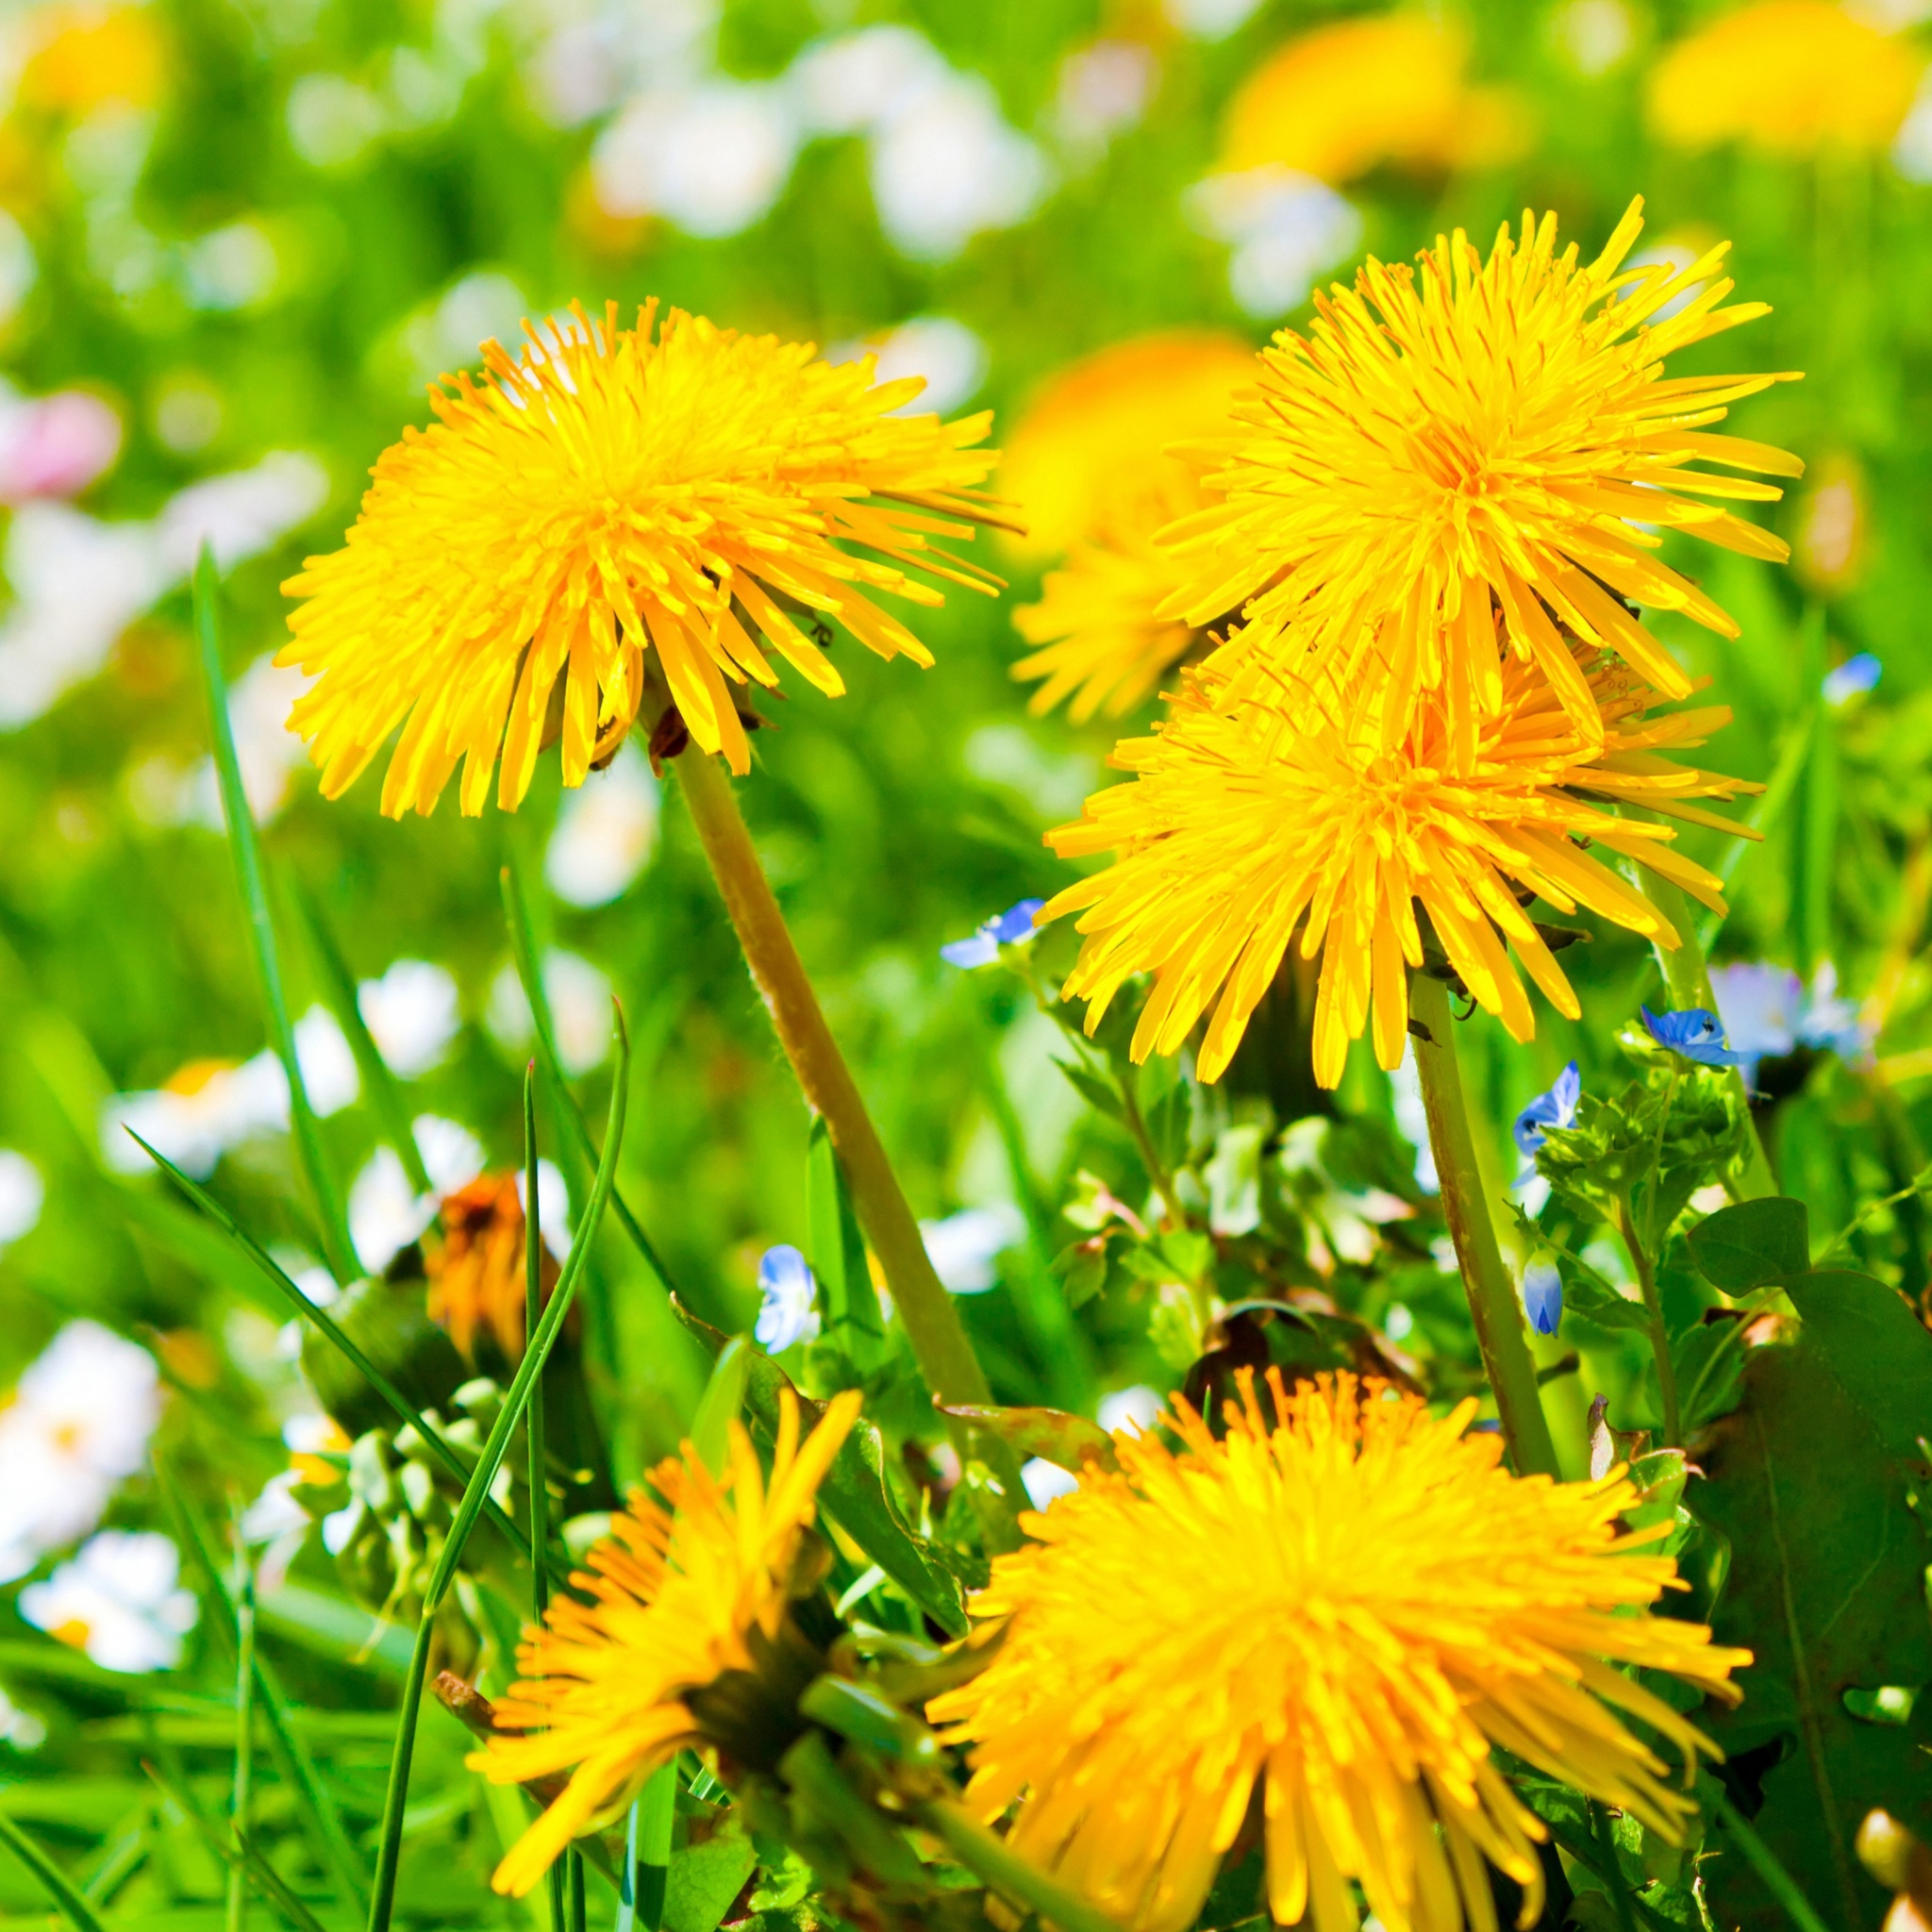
(1555, 1108)
(1856, 674)
(1542, 1297)
(1696, 1034)
(1012, 928)
(1832, 1023)
(789, 1311)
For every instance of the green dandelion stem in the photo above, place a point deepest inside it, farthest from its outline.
(1492, 1303)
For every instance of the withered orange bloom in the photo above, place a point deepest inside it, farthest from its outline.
(678, 1593)
(475, 1266)
(1481, 453)
(1345, 1607)
(688, 491)
(1285, 817)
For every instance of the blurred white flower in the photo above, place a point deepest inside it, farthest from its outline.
(1412, 1119)
(22, 1195)
(270, 755)
(854, 83)
(386, 1214)
(1911, 147)
(231, 268)
(54, 445)
(553, 1207)
(1209, 20)
(712, 159)
(1104, 88)
(79, 1422)
(18, 268)
(964, 1246)
(20, 1728)
(119, 1601)
(788, 1300)
(412, 1015)
(211, 1106)
(593, 53)
(332, 121)
(1593, 36)
(579, 999)
(1133, 1409)
(274, 1513)
(1286, 229)
(446, 334)
(952, 167)
(1046, 1482)
(605, 832)
(945, 353)
(78, 583)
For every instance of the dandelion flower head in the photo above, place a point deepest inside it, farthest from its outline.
(476, 1267)
(1788, 78)
(1344, 1608)
(1353, 94)
(1482, 437)
(681, 1591)
(1282, 818)
(686, 490)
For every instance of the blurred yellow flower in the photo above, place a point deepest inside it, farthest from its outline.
(687, 488)
(680, 1592)
(1382, 87)
(87, 56)
(1349, 1603)
(1096, 435)
(1789, 76)
(1832, 528)
(1487, 437)
(1101, 646)
(475, 1261)
(1286, 817)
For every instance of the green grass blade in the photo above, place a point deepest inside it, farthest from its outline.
(52, 1878)
(384, 1089)
(237, 1915)
(573, 1865)
(516, 1399)
(657, 1815)
(1763, 1861)
(523, 947)
(306, 1310)
(294, 1759)
(239, 1854)
(338, 1249)
(382, 1896)
(533, 1314)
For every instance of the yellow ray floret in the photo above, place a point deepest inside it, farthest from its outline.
(676, 1593)
(1483, 444)
(691, 490)
(1341, 1610)
(1282, 817)
(1101, 645)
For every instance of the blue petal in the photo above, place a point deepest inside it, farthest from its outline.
(787, 1312)
(1696, 1034)
(1015, 923)
(982, 949)
(1856, 673)
(1542, 1297)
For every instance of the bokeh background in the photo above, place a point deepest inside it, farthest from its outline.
(237, 239)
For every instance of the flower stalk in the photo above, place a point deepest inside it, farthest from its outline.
(1499, 1326)
(932, 1322)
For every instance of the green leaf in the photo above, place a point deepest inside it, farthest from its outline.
(854, 1492)
(1810, 1480)
(1709, 1363)
(1070, 1441)
(52, 1878)
(1082, 1269)
(705, 1878)
(853, 1317)
(1739, 1248)
(1097, 1091)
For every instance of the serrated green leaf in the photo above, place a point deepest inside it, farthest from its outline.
(1070, 1441)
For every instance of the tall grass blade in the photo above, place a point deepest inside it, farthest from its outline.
(239, 1854)
(325, 1325)
(338, 1249)
(53, 1880)
(537, 1348)
(523, 947)
(237, 1915)
(384, 1089)
(533, 1313)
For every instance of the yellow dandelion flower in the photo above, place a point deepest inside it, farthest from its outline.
(1788, 76)
(1283, 818)
(689, 489)
(681, 1591)
(1093, 439)
(1357, 93)
(1101, 645)
(1349, 1611)
(1488, 430)
(83, 57)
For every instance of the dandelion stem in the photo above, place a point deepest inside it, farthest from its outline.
(932, 1322)
(1492, 1305)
